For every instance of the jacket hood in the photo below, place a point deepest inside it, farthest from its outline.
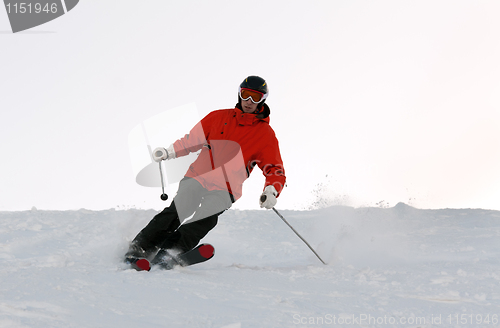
(251, 118)
(263, 112)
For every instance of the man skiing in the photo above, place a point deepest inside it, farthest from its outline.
(232, 142)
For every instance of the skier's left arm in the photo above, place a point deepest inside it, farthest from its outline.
(272, 167)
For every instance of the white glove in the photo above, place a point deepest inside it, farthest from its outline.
(268, 197)
(161, 154)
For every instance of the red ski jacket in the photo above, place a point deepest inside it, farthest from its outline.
(232, 143)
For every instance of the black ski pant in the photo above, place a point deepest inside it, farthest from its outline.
(165, 229)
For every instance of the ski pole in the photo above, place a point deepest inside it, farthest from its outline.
(263, 199)
(163, 196)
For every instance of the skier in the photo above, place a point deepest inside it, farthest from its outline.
(232, 142)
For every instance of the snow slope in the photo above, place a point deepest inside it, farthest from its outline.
(388, 267)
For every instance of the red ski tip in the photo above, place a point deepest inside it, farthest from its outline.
(207, 251)
(143, 264)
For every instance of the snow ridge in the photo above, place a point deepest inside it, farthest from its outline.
(387, 267)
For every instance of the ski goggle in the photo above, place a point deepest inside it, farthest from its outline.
(255, 96)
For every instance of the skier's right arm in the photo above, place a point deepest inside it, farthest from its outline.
(190, 143)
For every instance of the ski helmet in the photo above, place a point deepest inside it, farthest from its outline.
(255, 83)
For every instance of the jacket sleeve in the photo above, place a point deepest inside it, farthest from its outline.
(271, 164)
(194, 140)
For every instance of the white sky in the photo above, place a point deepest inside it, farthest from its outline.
(377, 101)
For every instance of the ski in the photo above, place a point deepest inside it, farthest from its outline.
(140, 264)
(200, 254)
(168, 261)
